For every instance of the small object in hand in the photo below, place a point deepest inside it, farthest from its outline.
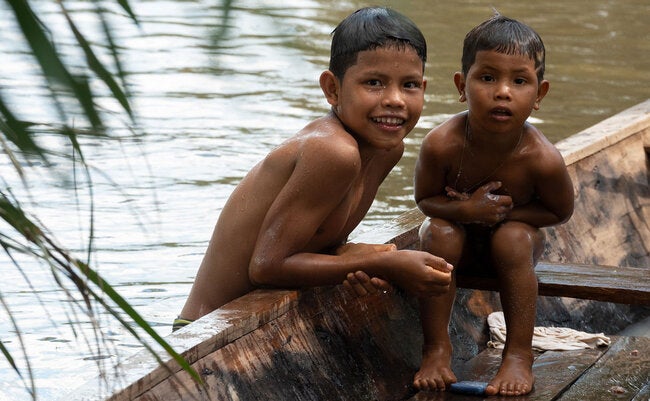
(468, 387)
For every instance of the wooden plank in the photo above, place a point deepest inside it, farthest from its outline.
(401, 231)
(211, 332)
(644, 394)
(618, 284)
(605, 134)
(555, 371)
(621, 374)
(331, 346)
(626, 285)
(612, 207)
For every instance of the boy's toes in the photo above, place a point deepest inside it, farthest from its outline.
(425, 385)
(491, 390)
(507, 389)
(429, 384)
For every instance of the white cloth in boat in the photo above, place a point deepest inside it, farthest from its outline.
(547, 338)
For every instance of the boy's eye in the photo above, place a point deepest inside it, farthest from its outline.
(373, 82)
(413, 85)
(487, 78)
(520, 81)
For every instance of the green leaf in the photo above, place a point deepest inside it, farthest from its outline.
(128, 309)
(50, 63)
(18, 133)
(125, 5)
(97, 66)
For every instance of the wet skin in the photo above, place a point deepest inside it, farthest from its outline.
(512, 182)
(285, 223)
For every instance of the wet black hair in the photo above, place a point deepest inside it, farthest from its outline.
(504, 35)
(369, 28)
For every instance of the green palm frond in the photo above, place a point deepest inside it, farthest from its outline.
(77, 114)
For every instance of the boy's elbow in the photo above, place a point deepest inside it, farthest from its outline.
(260, 273)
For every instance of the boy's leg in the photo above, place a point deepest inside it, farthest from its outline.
(515, 249)
(443, 239)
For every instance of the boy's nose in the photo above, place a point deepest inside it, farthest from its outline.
(502, 91)
(393, 97)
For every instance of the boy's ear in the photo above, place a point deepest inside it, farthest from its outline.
(542, 90)
(330, 86)
(459, 80)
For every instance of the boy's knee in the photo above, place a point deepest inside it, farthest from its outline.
(438, 233)
(515, 237)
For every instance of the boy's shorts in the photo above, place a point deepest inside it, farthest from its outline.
(179, 323)
(477, 255)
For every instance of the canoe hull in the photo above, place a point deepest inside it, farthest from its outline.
(324, 343)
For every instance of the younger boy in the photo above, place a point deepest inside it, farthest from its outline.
(286, 223)
(488, 180)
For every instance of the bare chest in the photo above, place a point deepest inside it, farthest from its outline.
(516, 179)
(345, 217)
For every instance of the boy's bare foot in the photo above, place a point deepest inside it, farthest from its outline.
(435, 373)
(515, 376)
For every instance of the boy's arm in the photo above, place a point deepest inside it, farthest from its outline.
(553, 187)
(555, 197)
(432, 195)
(359, 282)
(303, 220)
(429, 178)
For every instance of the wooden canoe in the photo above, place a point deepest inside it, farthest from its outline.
(324, 344)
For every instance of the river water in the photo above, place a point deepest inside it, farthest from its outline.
(214, 90)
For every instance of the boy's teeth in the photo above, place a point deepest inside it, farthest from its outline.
(389, 120)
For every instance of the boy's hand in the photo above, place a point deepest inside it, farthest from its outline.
(361, 284)
(490, 208)
(421, 273)
(453, 194)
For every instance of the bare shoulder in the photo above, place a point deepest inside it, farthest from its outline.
(539, 149)
(445, 139)
(323, 145)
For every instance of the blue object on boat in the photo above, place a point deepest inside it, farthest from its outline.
(468, 387)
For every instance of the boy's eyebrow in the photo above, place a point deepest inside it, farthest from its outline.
(496, 68)
(382, 74)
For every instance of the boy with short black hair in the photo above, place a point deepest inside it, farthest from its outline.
(287, 222)
(488, 181)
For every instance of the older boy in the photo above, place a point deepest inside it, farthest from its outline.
(488, 180)
(286, 222)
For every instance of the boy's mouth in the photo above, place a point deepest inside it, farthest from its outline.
(388, 120)
(501, 112)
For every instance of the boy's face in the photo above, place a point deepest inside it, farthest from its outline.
(380, 98)
(501, 89)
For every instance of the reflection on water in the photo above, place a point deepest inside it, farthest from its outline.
(212, 108)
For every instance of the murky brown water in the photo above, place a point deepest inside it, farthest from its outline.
(212, 109)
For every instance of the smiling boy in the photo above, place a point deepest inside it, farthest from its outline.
(488, 181)
(286, 223)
